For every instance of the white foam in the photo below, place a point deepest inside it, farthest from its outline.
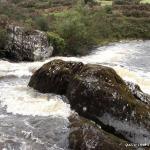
(128, 129)
(22, 100)
(18, 69)
(134, 77)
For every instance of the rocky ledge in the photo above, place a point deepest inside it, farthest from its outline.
(24, 45)
(86, 135)
(99, 94)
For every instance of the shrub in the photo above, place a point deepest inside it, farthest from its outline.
(57, 42)
(50, 3)
(80, 27)
(3, 38)
(3, 20)
(89, 1)
(42, 23)
(73, 28)
(108, 9)
(29, 23)
(122, 2)
(119, 2)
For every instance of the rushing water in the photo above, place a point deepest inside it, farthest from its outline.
(30, 120)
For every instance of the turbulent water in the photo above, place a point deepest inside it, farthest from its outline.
(30, 120)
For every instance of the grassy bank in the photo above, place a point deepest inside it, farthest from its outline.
(74, 29)
(82, 27)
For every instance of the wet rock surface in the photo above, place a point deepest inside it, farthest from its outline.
(86, 135)
(97, 93)
(138, 93)
(54, 76)
(24, 45)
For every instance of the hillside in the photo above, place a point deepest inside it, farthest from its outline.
(76, 26)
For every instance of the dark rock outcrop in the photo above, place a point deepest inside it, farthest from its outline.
(23, 45)
(97, 93)
(86, 135)
(54, 76)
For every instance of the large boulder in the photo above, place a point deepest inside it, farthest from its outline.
(97, 93)
(54, 76)
(86, 135)
(26, 45)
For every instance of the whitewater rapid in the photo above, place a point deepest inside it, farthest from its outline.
(31, 114)
(124, 57)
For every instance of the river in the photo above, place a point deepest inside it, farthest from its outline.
(33, 121)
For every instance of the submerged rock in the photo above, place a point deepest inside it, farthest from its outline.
(86, 135)
(23, 45)
(97, 93)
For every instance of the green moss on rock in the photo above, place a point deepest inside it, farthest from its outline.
(97, 93)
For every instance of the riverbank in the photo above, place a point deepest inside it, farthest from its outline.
(75, 30)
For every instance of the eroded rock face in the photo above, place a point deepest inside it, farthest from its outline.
(86, 135)
(23, 45)
(97, 93)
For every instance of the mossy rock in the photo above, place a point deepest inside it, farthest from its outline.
(54, 76)
(86, 135)
(99, 94)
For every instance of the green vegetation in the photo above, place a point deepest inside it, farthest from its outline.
(81, 28)
(57, 42)
(126, 2)
(3, 38)
(74, 29)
